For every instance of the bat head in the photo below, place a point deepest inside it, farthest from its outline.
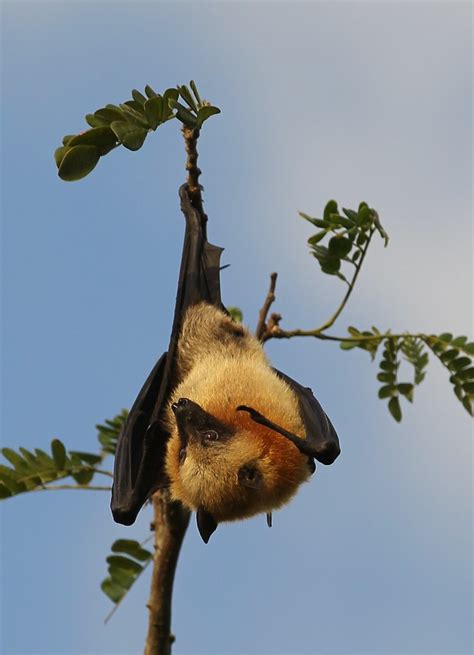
(226, 467)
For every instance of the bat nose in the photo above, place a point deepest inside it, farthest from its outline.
(180, 404)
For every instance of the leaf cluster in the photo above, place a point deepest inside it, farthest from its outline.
(28, 471)
(127, 561)
(109, 431)
(348, 236)
(456, 354)
(128, 124)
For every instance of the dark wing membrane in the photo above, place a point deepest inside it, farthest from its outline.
(138, 466)
(141, 449)
(320, 432)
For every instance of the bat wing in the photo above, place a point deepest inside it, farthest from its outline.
(141, 448)
(320, 432)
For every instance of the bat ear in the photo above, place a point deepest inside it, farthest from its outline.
(206, 524)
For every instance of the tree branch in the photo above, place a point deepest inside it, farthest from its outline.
(262, 328)
(170, 523)
(191, 136)
(358, 266)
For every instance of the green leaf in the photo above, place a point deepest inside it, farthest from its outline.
(113, 590)
(108, 432)
(129, 135)
(88, 458)
(138, 97)
(59, 154)
(466, 373)
(468, 405)
(154, 111)
(109, 114)
(132, 548)
(170, 96)
(406, 390)
(206, 112)
(338, 221)
(446, 336)
(149, 91)
(460, 362)
(187, 97)
(317, 237)
(354, 331)
(468, 387)
(449, 355)
(12, 485)
(386, 377)
(348, 345)
(330, 265)
(459, 341)
(67, 139)
(78, 162)
(469, 348)
(124, 578)
(351, 214)
(317, 222)
(193, 86)
(184, 115)
(102, 137)
(133, 117)
(59, 453)
(339, 246)
(395, 409)
(96, 121)
(4, 492)
(331, 208)
(236, 314)
(18, 462)
(83, 477)
(124, 563)
(387, 391)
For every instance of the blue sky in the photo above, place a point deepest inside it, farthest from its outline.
(356, 101)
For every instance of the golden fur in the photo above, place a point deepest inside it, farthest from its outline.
(223, 366)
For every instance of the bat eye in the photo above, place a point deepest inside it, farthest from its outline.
(210, 435)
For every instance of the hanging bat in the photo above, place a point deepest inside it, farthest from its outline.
(229, 435)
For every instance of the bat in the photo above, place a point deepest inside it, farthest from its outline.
(229, 435)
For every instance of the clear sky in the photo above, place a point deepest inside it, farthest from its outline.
(353, 101)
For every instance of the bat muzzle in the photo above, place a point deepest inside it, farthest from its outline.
(190, 419)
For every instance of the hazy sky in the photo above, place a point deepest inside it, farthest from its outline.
(354, 101)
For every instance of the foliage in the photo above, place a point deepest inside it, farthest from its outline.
(349, 235)
(125, 568)
(37, 471)
(456, 354)
(128, 124)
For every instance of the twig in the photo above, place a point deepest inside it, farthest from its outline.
(170, 522)
(262, 328)
(61, 487)
(191, 136)
(275, 332)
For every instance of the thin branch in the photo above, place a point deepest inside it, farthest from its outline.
(68, 473)
(262, 327)
(170, 523)
(61, 487)
(278, 333)
(191, 136)
(358, 266)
